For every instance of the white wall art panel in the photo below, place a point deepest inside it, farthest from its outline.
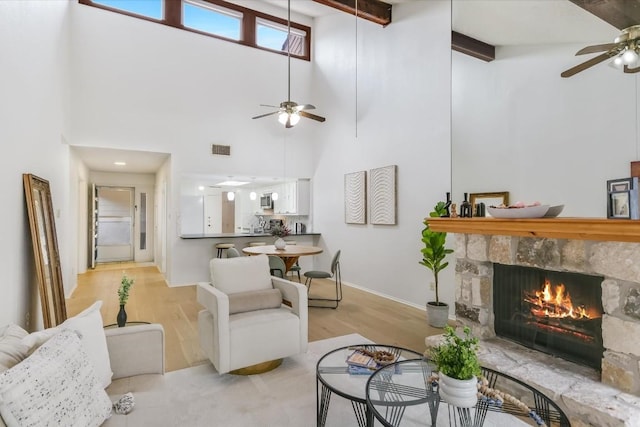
(355, 198)
(383, 195)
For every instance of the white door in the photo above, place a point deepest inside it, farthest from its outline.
(115, 224)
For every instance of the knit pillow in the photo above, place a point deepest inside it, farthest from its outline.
(55, 386)
(88, 324)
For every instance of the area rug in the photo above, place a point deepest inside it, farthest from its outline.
(199, 396)
(284, 397)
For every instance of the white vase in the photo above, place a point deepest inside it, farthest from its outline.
(460, 393)
(280, 244)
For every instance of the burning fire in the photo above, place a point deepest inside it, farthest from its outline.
(555, 303)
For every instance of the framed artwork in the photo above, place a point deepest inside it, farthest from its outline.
(355, 198)
(622, 184)
(622, 200)
(619, 205)
(382, 190)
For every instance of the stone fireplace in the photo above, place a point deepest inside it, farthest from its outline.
(601, 392)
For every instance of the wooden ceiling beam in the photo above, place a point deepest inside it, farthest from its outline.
(472, 47)
(619, 13)
(372, 10)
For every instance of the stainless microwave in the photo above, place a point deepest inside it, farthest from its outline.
(266, 202)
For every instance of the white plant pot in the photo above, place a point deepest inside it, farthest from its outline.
(280, 243)
(460, 393)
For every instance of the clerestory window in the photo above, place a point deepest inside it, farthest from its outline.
(219, 19)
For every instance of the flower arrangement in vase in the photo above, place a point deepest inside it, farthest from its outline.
(280, 231)
(123, 297)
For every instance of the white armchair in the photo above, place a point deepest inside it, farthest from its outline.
(245, 322)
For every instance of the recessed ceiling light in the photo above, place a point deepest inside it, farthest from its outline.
(201, 187)
(232, 183)
(119, 163)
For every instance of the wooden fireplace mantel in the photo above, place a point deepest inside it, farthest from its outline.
(616, 230)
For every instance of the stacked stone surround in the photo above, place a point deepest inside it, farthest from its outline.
(618, 386)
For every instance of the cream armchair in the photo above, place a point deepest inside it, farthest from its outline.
(245, 322)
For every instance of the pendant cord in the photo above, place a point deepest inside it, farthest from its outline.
(289, 50)
(356, 52)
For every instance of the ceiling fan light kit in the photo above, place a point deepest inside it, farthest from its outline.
(289, 112)
(624, 50)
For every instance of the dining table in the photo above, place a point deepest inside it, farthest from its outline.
(289, 254)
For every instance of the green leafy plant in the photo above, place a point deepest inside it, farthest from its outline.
(457, 356)
(123, 290)
(434, 251)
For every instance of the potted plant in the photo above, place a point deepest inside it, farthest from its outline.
(433, 255)
(458, 367)
(280, 231)
(123, 297)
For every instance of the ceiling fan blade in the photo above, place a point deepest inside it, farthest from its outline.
(312, 116)
(265, 115)
(272, 106)
(596, 48)
(590, 63)
(630, 70)
(305, 107)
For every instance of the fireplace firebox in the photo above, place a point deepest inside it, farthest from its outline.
(559, 313)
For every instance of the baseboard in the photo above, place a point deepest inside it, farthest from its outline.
(382, 295)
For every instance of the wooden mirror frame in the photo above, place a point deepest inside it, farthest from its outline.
(45, 249)
(489, 198)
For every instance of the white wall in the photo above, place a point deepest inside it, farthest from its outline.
(142, 86)
(403, 76)
(33, 105)
(519, 127)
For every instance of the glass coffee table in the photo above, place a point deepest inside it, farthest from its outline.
(403, 392)
(333, 376)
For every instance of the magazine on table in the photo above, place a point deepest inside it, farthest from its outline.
(360, 363)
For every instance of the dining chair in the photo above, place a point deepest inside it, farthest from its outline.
(232, 253)
(277, 266)
(295, 268)
(319, 274)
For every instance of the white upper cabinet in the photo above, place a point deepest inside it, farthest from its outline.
(293, 198)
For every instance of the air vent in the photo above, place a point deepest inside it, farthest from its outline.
(221, 150)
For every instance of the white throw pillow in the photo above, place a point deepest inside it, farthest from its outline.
(12, 350)
(88, 324)
(55, 386)
(241, 274)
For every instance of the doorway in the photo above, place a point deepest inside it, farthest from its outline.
(114, 222)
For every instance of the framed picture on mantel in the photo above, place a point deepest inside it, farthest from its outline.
(622, 198)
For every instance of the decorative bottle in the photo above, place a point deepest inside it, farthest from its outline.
(465, 208)
(447, 205)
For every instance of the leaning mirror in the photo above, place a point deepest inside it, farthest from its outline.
(45, 249)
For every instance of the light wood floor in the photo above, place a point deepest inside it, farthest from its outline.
(150, 299)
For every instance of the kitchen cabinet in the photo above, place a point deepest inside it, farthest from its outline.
(293, 198)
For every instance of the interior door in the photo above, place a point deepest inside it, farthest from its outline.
(228, 214)
(115, 224)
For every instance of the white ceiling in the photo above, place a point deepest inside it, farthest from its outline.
(518, 22)
(102, 159)
(497, 22)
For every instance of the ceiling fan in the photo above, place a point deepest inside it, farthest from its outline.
(289, 112)
(625, 48)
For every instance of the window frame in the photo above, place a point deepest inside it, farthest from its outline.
(248, 32)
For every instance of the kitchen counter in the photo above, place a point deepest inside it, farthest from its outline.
(239, 235)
